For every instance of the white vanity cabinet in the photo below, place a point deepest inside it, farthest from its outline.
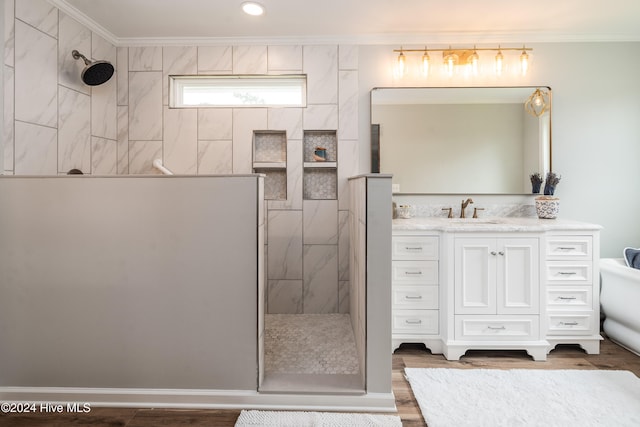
(509, 284)
(415, 290)
(572, 290)
(496, 293)
(496, 275)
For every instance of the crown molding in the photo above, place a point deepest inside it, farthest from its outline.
(433, 38)
(85, 20)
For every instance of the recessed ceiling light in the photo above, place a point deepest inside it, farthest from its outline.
(252, 8)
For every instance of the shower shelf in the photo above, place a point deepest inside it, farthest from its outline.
(318, 165)
(320, 179)
(270, 165)
(270, 159)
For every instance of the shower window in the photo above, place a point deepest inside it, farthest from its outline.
(238, 91)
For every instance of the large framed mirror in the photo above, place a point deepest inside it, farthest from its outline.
(472, 140)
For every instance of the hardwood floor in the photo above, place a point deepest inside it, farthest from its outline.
(416, 356)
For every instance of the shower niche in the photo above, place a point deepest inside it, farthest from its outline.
(270, 159)
(320, 177)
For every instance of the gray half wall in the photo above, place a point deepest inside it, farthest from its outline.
(129, 282)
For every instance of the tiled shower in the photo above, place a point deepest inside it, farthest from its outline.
(54, 123)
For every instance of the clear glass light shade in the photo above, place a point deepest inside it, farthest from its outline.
(450, 62)
(402, 64)
(473, 62)
(524, 63)
(425, 64)
(499, 63)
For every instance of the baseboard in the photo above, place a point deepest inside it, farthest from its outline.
(200, 399)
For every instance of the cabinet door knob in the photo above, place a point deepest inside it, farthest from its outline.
(493, 252)
(501, 253)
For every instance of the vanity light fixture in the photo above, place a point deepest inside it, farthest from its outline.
(252, 8)
(538, 103)
(463, 57)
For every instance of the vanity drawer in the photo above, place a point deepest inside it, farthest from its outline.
(415, 297)
(569, 247)
(562, 272)
(414, 272)
(497, 328)
(414, 247)
(574, 298)
(415, 322)
(571, 324)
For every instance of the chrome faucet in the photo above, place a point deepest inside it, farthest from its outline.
(465, 203)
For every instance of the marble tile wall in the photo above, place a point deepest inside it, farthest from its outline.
(53, 123)
(424, 206)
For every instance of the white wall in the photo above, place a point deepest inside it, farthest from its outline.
(596, 127)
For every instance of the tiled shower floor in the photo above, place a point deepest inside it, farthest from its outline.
(310, 353)
(310, 344)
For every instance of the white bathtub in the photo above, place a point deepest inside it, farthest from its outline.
(620, 297)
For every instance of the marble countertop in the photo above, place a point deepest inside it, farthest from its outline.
(500, 224)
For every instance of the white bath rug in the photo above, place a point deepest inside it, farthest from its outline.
(314, 419)
(524, 397)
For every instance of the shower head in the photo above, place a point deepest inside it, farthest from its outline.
(95, 72)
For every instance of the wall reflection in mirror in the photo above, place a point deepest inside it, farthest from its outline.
(459, 140)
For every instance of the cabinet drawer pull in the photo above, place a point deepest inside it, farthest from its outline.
(413, 297)
(567, 273)
(564, 248)
(501, 328)
(413, 248)
(413, 273)
(569, 323)
(413, 321)
(566, 298)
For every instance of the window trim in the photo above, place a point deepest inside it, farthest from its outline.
(177, 84)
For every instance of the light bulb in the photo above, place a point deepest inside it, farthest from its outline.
(450, 62)
(538, 101)
(524, 62)
(402, 62)
(252, 8)
(473, 61)
(425, 64)
(499, 61)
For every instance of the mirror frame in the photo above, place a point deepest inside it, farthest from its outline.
(375, 128)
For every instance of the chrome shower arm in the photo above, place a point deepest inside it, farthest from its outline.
(78, 55)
